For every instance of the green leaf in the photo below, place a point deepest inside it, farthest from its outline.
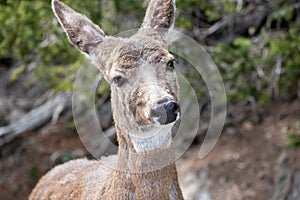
(292, 139)
(16, 73)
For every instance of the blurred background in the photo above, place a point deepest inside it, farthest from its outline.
(256, 46)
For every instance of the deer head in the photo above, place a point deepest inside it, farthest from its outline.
(140, 70)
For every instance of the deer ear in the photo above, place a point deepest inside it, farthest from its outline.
(160, 14)
(81, 31)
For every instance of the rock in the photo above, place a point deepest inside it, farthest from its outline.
(247, 126)
(194, 185)
(283, 178)
(294, 194)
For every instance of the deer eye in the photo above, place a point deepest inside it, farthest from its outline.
(171, 63)
(117, 80)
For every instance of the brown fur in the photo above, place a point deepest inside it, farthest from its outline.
(159, 14)
(141, 61)
(76, 33)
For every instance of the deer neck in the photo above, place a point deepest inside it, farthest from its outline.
(145, 151)
(148, 163)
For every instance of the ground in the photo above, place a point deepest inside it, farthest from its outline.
(250, 161)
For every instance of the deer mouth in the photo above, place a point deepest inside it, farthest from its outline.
(165, 114)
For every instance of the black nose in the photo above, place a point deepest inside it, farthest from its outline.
(171, 107)
(165, 113)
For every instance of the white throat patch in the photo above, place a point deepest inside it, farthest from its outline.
(157, 138)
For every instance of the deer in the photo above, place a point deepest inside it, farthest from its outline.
(145, 106)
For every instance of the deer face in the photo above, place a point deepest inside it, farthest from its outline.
(140, 69)
(143, 81)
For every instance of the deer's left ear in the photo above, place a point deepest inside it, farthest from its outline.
(81, 31)
(160, 14)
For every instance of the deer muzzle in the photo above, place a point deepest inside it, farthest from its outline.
(165, 112)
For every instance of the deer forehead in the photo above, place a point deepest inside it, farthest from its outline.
(131, 61)
(151, 51)
(123, 56)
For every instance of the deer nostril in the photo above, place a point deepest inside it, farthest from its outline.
(171, 107)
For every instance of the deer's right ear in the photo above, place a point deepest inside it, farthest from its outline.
(160, 14)
(81, 31)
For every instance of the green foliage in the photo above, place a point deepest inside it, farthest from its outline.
(213, 10)
(292, 139)
(57, 77)
(183, 22)
(30, 33)
(298, 125)
(18, 34)
(263, 66)
(188, 4)
(258, 67)
(128, 6)
(33, 173)
(16, 73)
(103, 88)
